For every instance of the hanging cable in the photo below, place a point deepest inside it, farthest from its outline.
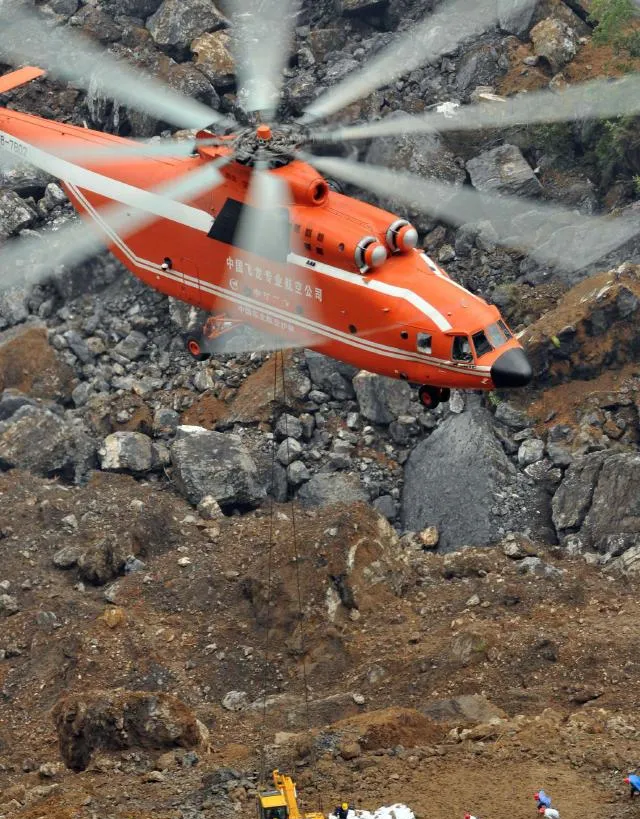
(265, 677)
(296, 560)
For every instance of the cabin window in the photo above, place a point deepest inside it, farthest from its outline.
(423, 343)
(275, 238)
(461, 349)
(481, 343)
(276, 813)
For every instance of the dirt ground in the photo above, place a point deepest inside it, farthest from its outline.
(399, 629)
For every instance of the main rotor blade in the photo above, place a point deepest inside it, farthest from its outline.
(599, 99)
(439, 34)
(27, 37)
(170, 148)
(33, 259)
(549, 233)
(263, 31)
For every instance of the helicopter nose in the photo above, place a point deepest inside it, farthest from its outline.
(511, 369)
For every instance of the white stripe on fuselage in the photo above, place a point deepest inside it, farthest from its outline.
(161, 206)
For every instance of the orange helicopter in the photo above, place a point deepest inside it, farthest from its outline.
(242, 225)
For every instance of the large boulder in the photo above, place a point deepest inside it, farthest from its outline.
(515, 16)
(460, 481)
(178, 22)
(215, 464)
(381, 399)
(214, 57)
(555, 42)
(36, 439)
(117, 720)
(331, 376)
(598, 503)
(503, 170)
(128, 452)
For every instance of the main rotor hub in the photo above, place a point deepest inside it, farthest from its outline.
(276, 148)
(263, 132)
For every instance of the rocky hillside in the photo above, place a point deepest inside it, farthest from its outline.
(184, 548)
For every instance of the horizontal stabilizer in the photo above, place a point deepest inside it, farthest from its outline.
(19, 77)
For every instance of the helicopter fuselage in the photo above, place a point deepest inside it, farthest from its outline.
(321, 276)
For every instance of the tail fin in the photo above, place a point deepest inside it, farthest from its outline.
(19, 77)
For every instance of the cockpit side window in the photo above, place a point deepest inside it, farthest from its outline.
(461, 350)
(481, 344)
(423, 343)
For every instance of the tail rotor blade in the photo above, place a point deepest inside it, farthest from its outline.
(262, 40)
(441, 33)
(25, 36)
(599, 99)
(549, 233)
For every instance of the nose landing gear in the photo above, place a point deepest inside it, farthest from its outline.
(430, 397)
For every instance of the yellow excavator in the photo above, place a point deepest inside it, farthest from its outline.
(282, 801)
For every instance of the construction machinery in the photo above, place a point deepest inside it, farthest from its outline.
(282, 801)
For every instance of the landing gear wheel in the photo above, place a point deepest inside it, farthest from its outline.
(430, 397)
(194, 347)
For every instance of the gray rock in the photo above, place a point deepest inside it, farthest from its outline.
(8, 604)
(333, 377)
(216, 464)
(25, 180)
(531, 451)
(177, 22)
(513, 418)
(555, 41)
(235, 701)
(628, 563)
(289, 451)
(515, 16)
(132, 8)
(209, 509)
(387, 507)
(54, 195)
(165, 421)
(289, 426)
(559, 455)
(11, 401)
(538, 568)
(67, 557)
(611, 494)
(478, 66)
(503, 170)
(15, 214)
(328, 489)
(44, 443)
(381, 399)
(297, 473)
(79, 346)
(13, 307)
(460, 480)
(127, 452)
(81, 393)
(572, 501)
(133, 346)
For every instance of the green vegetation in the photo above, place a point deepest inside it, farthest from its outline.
(616, 148)
(613, 18)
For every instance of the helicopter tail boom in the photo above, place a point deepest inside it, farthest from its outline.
(20, 77)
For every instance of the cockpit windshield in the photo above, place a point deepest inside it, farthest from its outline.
(492, 337)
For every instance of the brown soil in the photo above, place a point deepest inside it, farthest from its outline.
(400, 637)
